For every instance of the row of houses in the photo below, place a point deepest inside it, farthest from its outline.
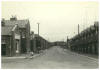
(16, 37)
(86, 41)
(38, 43)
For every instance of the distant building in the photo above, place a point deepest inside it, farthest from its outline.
(15, 36)
(60, 43)
(38, 43)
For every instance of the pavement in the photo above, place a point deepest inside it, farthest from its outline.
(88, 55)
(52, 58)
(22, 56)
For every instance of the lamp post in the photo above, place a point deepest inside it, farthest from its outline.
(38, 38)
(38, 29)
(78, 29)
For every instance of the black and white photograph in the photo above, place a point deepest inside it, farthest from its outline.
(49, 34)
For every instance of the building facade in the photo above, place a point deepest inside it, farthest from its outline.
(38, 43)
(15, 36)
(87, 41)
(10, 43)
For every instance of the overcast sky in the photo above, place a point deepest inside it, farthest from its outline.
(57, 19)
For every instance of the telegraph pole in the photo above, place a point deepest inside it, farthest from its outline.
(38, 38)
(78, 29)
(67, 42)
(38, 28)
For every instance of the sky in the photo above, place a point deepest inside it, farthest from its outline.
(57, 19)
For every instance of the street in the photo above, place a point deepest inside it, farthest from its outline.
(53, 58)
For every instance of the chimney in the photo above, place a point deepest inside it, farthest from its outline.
(3, 22)
(13, 18)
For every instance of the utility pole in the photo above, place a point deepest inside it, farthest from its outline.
(38, 28)
(67, 43)
(67, 38)
(78, 29)
(38, 39)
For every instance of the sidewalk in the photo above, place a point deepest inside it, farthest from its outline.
(22, 56)
(90, 56)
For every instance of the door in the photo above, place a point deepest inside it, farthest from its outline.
(3, 50)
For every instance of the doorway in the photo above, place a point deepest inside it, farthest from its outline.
(3, 49)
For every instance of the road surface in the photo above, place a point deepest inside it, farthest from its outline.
(53, 58)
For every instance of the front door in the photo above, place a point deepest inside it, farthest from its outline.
(3, 50)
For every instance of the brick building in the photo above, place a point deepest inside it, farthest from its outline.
(87, 41)
(38, 43)
(15, 36)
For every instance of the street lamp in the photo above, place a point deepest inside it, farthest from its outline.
(38, 28)
(38, 38)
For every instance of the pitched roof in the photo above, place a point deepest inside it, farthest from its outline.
(6, 30)
(9, 24)
(21, 23)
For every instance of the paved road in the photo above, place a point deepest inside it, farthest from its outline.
(53, 58)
